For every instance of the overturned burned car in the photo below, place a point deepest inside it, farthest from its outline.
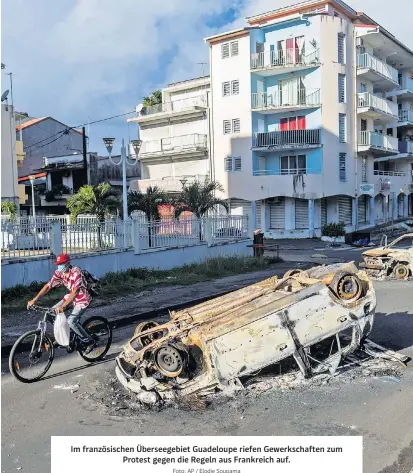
(315, 317)
(393, 261)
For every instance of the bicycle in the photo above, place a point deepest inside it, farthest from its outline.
(35, 345)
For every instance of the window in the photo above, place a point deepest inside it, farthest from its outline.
(342, 164)
(226, 89)
(342, 132)
(235, 87)
(234, 48)
(363, 125)
(225, 50)
(389, 131)
(340, 46)
(227, 127)
(341, 88)
(364, 170)
(293, 123)
(233, 164)
(363, 88)
(236, 125)
(232, 126)
(294, 164)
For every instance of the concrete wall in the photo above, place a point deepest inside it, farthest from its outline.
(41, 269)
(9, 186)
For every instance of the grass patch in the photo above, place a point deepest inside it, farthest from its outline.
(115, 284)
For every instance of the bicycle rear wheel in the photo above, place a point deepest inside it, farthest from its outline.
(31, 356)
(100, 330)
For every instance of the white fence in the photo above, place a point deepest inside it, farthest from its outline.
(24, 239)
(377, 140)
(177, 143)
(367, 61)
(367, 100)
(287, 98)
(289, 57)
(176, 106)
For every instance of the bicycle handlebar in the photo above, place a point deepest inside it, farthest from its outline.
(44, 309)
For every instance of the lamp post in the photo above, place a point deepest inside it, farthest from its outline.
(123, 161)
(31, 179)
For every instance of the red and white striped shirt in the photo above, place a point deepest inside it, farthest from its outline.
(72, 280)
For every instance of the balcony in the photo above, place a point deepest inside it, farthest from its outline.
(290, 139)
(377, 108)
(280, 62)
(285, 101)
(191, 107)
(406, 89)
(382, 74)
(192, 146)
(285, 172)
(378, 144)
(406, 148)
(405, 118)
(168, 184)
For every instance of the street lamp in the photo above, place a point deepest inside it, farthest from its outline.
(31, 179)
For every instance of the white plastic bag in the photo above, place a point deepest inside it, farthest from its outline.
(61, 330)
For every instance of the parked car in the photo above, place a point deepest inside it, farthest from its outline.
(393, 261)
(317, 317)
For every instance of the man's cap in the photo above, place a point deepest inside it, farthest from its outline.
(63, 258)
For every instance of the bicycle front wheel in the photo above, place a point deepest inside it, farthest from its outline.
(31, 356)
(100, 330)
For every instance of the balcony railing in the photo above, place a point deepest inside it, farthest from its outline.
(299, 138)
(170, 183)
(285, 58)
(406, 83)
(406, 147)
(176, 106)
(285, 172)
(406, 116)
(368, 100)
(377, 140)
(177, 143)
(279, 99)
(367, 61)
(389, 173)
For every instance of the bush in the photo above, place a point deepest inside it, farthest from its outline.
(333, 230)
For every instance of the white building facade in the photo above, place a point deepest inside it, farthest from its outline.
(175, 137)
(311, 120)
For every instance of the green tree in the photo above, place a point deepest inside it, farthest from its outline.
(153, 99)
(148, 203)
(10, 209)
(199, 198)
(95, 200)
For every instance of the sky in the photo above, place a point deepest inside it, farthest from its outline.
(80, 60)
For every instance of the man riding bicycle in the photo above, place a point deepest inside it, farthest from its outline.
(70, 277)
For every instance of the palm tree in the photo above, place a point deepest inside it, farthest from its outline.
(95, 200)
(148, 203)
(153, 99)
(199, 198)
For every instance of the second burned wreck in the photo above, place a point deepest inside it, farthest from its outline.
(317, 317)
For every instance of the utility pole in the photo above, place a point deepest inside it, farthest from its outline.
(84, 154)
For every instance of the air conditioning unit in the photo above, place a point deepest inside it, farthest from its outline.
(359, 42)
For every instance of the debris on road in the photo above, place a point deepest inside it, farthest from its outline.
(393, 261)
(309, 319)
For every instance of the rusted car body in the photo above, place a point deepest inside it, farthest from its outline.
(316, 317)
(393, 261)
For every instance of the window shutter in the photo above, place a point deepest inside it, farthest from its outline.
(237, 164)
(227, 127)
(342, 167)
(341, 88)
(226, 89)
(235, 87)
(342, 128)
(364, 170)
(340, 47)
(225, 50)
(228, 164)
(236, 125)
(234, 48)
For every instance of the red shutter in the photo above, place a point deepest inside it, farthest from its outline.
(290, 50)
(284, 124)
(297, 59)
(301, 123)
(292, 123)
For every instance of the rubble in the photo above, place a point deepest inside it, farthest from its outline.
(393, 261)
(310, 320)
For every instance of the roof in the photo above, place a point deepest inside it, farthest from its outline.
(26, 178)
(228, 34)
(34, 121)
(188, 80)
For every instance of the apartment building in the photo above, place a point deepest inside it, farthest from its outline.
(175, 137)
(311, 119)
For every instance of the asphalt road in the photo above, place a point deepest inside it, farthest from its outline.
(380, 409)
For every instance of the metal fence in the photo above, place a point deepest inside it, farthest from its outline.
(284, 138)
(28, 239)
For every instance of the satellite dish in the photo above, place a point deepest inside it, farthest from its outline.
(139, 108)
(4, 96)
